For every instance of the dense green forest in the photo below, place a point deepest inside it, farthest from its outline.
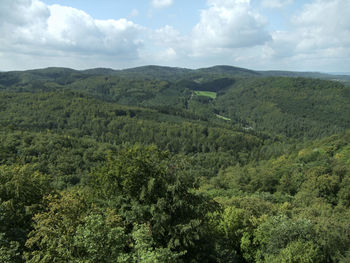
(158, 164)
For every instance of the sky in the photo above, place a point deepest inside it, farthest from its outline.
(298, 35)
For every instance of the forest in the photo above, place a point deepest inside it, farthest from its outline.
(160, 164)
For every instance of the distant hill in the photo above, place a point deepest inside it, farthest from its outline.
(229, 70)
(293, 107)
(316, 75)
(281, 73)
(157, 72)
(100, 71)
(66, 75)
(292, 104)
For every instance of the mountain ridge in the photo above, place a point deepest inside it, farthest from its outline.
(166, 71)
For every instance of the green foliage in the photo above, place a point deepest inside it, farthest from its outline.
(144, 251)
(101, 238)
(52, 239)
(299, 216)
(75, 115)
(21, 191)
(9, 250)
(292, 107)
(139, 206)
(278, 232)
(133, 166)
(148, 186)
(139, 173)
(74, 230)
(297, 252)
(228, 228)
(65, 159)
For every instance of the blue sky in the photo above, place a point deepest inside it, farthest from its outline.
(300, 35)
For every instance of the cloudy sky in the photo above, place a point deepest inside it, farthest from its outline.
(300, 35)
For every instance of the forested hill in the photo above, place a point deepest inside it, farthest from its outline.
(161, 164)
(285, 106)
(159, 72)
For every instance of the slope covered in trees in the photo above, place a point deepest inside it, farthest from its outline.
(293, 107)
(293, 208)
(140, 165)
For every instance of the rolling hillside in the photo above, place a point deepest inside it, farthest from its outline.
(221, 164)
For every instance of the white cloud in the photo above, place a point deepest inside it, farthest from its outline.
(228, 24)
(21, 22)
(31, 27)
(275, 3)
(320, 35)
(324, 24)
(33, 34)
(167, 35)
(161, 3)
(167, 54)
(165, 45)
(22, 12)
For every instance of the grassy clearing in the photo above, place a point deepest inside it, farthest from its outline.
(222, 117)
(209, 94)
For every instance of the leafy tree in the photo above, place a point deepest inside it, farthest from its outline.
(52, 239)
(21, 192)
(148, 187)
(9, 250)
(143, 249)
(297, 252)
(101, 238)
(279, 235)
